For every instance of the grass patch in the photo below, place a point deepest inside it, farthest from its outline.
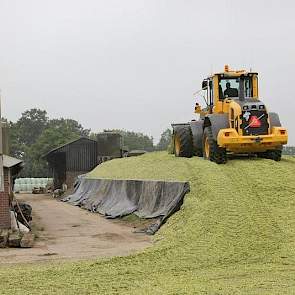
(235, 234)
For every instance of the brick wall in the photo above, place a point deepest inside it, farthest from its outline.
(4, 203)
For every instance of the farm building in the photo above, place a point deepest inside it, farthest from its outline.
(70, 160)
(11, 167)
(81, 156)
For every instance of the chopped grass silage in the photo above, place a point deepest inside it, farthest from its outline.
(235, 234)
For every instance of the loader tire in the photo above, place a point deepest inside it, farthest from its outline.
(183, 142)
(211, 151)
(199, 153)
(275, 155)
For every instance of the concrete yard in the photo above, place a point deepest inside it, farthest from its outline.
(68, 232)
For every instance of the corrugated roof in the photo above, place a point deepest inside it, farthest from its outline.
(9, 162)
(68, 143)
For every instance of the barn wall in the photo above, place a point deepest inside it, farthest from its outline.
(81, 156)
(71, 160)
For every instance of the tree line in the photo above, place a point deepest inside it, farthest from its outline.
(34, 134)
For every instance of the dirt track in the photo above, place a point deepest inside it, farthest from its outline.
(68, 232)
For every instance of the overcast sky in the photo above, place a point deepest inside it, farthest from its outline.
(135, 64)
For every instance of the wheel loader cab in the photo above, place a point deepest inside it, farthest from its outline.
(220, 88)
(229, 87)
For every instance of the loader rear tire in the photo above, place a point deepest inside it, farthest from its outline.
(183, 142)
(275, 155)
(199, 153)
(211, 151)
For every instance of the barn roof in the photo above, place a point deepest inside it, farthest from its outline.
(9, 162)
(62, 148)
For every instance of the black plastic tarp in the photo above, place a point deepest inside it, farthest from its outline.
(116, 198)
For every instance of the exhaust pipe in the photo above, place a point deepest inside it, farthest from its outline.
(242, 88)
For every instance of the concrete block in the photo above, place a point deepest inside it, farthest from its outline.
(27, 240)
(3, 238)
(14, 239)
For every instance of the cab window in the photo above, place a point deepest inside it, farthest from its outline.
(229, 87)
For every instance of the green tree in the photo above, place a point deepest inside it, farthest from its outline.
(165, 140)
(26, 130)
(58, 132)
(93, 135)
(30, 125)
(69, 126)
(33, 135)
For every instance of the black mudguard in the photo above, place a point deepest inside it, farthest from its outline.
(175, 125)
(217, 122)
(274, 120)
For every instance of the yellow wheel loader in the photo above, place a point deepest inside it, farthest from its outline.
(235, 121)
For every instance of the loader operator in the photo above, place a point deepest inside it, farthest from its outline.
(230, 92)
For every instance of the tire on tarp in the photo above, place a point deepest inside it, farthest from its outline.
(116, 198)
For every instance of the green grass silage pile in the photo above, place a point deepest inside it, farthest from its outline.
(235, 234)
